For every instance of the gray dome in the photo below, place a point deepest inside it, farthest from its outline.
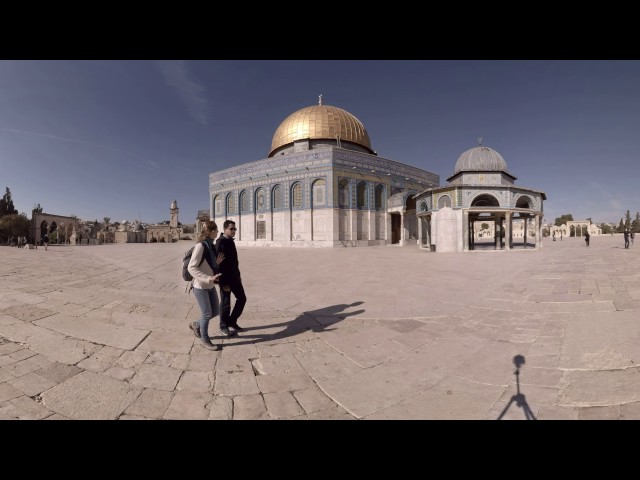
(480, 159)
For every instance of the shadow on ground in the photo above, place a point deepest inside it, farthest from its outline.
(319, 320)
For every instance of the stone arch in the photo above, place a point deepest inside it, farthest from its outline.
(244, 202)
(524, 201)
(344, 194)
(230, 203)
(444, 201)
(45, 223)
(410, 201)
(318, 192)
(361, 195)
(296, 195)
(485, 200)
(217, 206)
(379, 197)
(260, 200)
(276, 198)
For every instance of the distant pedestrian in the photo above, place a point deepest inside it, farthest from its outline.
(631, 236)
(586, 238)
(45, 241)
(554, 235)
(560, 236)
(626, 239)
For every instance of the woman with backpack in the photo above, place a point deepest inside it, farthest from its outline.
(203, 267)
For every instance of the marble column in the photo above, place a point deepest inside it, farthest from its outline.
(507, 231)
(465, 230)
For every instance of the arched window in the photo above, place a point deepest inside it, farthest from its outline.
(485, 200)
(523, 202)
(343, 193)
(444, 201)
(319, 190)
(296, 196)
(276, 198)
(379, 197)
(261, 200)
(217, 206)
(362, 195)
(231, 203)
(244, 202)
(423, 206)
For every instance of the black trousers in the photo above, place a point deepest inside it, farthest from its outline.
(228, 317)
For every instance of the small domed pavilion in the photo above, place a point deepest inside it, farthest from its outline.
(481, 196)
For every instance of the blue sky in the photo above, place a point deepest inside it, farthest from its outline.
(122, 139)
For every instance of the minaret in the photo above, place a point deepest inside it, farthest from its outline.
(173, 223)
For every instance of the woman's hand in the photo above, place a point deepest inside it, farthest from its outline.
(215, 278)
(220, 258)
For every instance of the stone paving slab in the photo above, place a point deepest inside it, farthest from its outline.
(101, 332)
(96, 332)
(91, 396)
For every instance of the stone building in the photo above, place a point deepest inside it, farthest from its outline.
(575, 228)
(137, 232)
(61, 227)
(480, 191)
(321, 185)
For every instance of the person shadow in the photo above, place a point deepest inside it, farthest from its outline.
(319, 320)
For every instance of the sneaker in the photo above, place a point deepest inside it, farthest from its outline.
(195, 328)
(237, 328)
(209, 346)
(226, 331)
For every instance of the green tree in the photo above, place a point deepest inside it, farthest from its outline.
(14, 225)
(627, 222)
(567, 217)
(6, 204)
(635, 225)
(106, 222)
(606, 229)
(36, 209)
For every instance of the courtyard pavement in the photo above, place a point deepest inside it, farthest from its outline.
(101, 332)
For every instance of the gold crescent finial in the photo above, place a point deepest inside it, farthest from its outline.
(320, 100)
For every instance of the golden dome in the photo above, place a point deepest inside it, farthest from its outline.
(320, 122)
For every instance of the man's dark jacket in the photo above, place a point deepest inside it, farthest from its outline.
(229, 266)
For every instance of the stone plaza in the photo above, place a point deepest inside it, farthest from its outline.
(384, 332)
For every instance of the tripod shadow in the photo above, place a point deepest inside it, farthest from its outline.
(319, 320)
(519, 399)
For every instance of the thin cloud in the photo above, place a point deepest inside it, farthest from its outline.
(150, 164)
(176, 75)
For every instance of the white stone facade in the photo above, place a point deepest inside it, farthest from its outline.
(324, 197)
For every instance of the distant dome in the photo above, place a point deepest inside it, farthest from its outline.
(124, 222)
(320, 122)
(480, 158)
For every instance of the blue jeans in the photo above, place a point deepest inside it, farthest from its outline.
(208, 302)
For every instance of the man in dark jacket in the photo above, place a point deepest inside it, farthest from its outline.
(230, 281)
